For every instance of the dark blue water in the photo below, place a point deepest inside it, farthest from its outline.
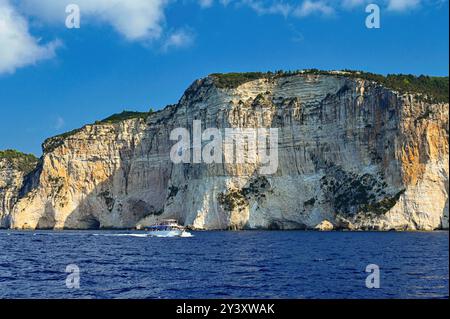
(224, 265)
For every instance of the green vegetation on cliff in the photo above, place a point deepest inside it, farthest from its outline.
(432, 86)
(436, 88)
(233, 80)
(51, 143)
(125, 115)
(21, 161)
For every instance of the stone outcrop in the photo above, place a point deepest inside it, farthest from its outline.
(350, 151)
(13, 170)
(324, 226)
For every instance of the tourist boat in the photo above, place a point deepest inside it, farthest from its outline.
(167, 228)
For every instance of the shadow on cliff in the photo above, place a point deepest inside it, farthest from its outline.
(138, 187)
(48, 220)
(104, 209)
(111, 204)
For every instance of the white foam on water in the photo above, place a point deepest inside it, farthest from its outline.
(184, 235)
(123, 235)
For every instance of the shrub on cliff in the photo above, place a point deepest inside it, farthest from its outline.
(125, 115)
(233, 80)
(51, 143)
(21, 161)
(435, 88)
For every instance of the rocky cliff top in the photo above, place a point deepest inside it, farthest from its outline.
(433, 88)
(24, 163)
(53, 142)
(354, 149)
(427, 88)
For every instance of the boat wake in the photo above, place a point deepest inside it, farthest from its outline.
(123, 235)
(183, 235)
(186, 235)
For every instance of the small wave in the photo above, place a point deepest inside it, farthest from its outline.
(123, 235)
(186, 235)
(164, 236)
(183, 235)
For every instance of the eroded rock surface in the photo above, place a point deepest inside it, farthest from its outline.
(14, 167)
(351, 152)
(324, 226)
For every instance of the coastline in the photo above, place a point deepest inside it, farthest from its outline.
(226, 230)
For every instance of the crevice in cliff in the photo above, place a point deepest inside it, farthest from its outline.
(346, 145)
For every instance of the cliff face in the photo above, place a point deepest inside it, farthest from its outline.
(14, 167)
(10, 183)
(350, 152)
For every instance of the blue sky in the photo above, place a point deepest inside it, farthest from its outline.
(144, 53)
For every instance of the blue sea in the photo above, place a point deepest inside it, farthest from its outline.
(247, 264)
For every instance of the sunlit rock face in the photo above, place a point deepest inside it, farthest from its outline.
(13, 172)
(350, 152)
(10, 183)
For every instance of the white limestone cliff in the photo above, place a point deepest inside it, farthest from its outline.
(351, 152)
(14, 167)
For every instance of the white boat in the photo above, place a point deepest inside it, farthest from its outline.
(167, 228)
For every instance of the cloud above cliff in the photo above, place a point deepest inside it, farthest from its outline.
(206, 3)
(390, 5)
(135, 20)
(262, 7)
(178, 39)
(59, 123)
(145, 21)
(18, 48)
(305, 8)
(402, 5)
(312, 7)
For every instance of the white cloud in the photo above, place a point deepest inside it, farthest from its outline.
(59, 124)
(178, 39)
(18, 48)
(321, 7)
(134, 19)
(273, 7)
(353, 3)
(391, 5)
(311, 7)
(286, 9)
(402, 5)
(225, 2)
(141, 20)
(205, 3)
